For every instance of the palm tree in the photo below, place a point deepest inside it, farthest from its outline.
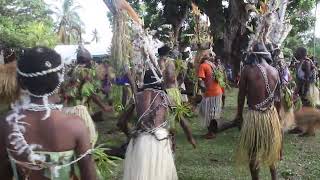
(95, 36)
(69, 22)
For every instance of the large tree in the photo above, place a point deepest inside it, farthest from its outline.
(302, 17)
(26, 23)
(232, 21)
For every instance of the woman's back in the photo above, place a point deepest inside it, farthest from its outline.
(57, 135)
(38, 139)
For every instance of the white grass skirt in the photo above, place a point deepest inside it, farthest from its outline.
(149, 159)
(313, 95)
(210, 108)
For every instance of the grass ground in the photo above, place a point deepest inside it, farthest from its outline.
(213, 159)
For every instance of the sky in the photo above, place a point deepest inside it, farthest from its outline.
(318, 22)
(94, 15)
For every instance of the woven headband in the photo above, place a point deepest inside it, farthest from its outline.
(263, 53)
(42, 73)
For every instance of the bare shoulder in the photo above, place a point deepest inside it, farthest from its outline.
(247, 69)
(72, 122)
(273, 70)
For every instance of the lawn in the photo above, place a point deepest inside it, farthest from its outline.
(213, 159)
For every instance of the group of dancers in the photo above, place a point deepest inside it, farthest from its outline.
(41, 140)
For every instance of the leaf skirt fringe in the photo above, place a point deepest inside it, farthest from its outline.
(260, 138)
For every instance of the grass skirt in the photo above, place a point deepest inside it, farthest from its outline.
(83, 113)
(9, 90)
(287, 119)
(313, 95)
(210, 108)
(149, 159)
(260, 138)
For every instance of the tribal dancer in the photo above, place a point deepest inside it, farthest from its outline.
(260, 137)
(38, 139)
(149, 155)
(211, 104)
(170, 83)
(84, 84)
(306, 77)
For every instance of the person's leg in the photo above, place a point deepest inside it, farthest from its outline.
(273, 172)
(212, 128)
(125, 94)
(223, 100)
(254, 169)
(282, 142)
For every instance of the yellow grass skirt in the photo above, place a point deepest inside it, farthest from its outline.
(260, 138)
(9, 90)
(287, 119)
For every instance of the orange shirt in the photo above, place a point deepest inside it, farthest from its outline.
(212, 86)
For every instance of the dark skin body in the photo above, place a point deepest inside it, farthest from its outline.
(57, 134)
(172, 83)
(304, 85)
(252, 87)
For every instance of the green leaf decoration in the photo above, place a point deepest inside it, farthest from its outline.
(104, 162)
(87, 89)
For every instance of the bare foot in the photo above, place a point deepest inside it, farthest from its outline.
(209, 136)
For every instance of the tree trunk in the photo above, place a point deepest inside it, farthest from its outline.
(281, 27)
(234, 33)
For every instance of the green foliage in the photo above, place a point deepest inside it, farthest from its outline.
(219, 76)
(301, 15)
(179, 112)
(82, 85)
(287, 96)
(26, 23)
(116, 97)
(87, 89)
(104, 162)
(181, 66)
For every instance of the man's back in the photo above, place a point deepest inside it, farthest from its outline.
(151, 99)
(255, 84)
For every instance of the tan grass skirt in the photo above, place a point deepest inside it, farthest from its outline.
(260, 138)
(287, 119)
(9, 90)
(210, 108)
(149, 159)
